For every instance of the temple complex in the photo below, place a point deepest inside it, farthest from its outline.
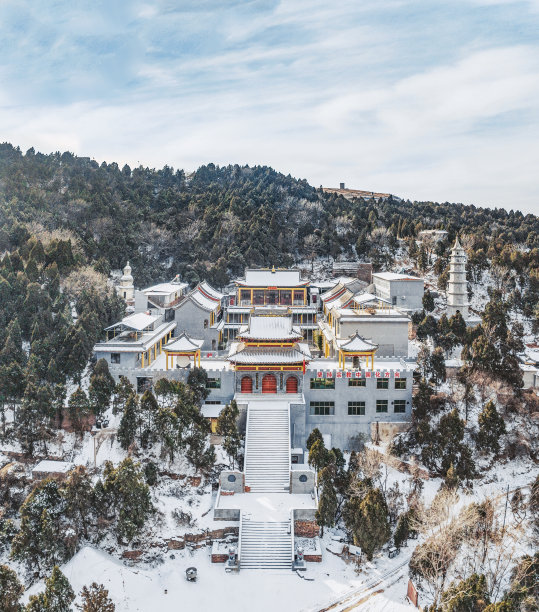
(337, 360)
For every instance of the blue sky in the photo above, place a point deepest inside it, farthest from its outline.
(424, 99)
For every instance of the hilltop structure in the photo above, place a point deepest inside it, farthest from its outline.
(457, 287)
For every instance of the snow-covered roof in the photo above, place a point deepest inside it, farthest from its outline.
(211, 411)
(165, 288)
(365, 298)
(184, 343)
(333, 293)
(389, 276)
(138, 321)
(272, 355)
(272, 278)
(53, 467)
(122, 344)
(356, 343)
(210, 291)
(270, 328)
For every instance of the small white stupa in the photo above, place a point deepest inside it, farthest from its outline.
(457, 287)
(126, 288)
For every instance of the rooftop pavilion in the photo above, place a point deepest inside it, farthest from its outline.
(273, 286)
(183, 349)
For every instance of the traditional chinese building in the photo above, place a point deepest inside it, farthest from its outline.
(269, 354)
(276, 288)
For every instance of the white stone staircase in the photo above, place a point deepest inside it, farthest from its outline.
(267, 452)
(265, 545)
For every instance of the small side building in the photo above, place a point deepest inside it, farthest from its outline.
(402, 291)
(51, 469)
(199, 315)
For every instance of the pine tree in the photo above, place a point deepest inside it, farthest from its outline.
(149, 409)
(101, 387)
(198, 452)
(451, 480)
(197, 381)
(369, 523)
(34, 413)
(11, 590)
(123, 391)
(428, 301)
(41, 540)
(402, 531)
(458, 327)
(130, 496)
(57, 597)
(12, 352)
(167, 430)
(327, 505)
(491, 428)
(470, 594)
(79, 409)
(95, 599)
(227, 427)
(319, 455)
(127, 429)
(313, 437)
(78, 495)
(437, 366)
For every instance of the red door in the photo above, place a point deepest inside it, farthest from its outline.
(269, 384)
(291, 384)
(246, 384)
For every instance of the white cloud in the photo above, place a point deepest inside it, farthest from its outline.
(325, 92)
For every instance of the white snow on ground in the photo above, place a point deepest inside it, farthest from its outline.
(142, 589)
(268, 507)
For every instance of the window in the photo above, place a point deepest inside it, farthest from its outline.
(322, 383)
(206, 323)
(170, 314)
(322, 408)
(400, 383)
(115, 357)
(213, 383)
(394, 300)
(298, 298)
(212, 402)
(381, 405)
(357, 382)
(285, 298)
(382, 383)
(399, 406)
(356, 408)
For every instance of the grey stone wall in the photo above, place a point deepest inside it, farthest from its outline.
(345, 430)
(408, 294)
(231, 481)
(190, 319)
(302, 481)
(391, 335)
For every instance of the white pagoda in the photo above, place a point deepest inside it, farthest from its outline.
(457, 292)
(126, 288)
